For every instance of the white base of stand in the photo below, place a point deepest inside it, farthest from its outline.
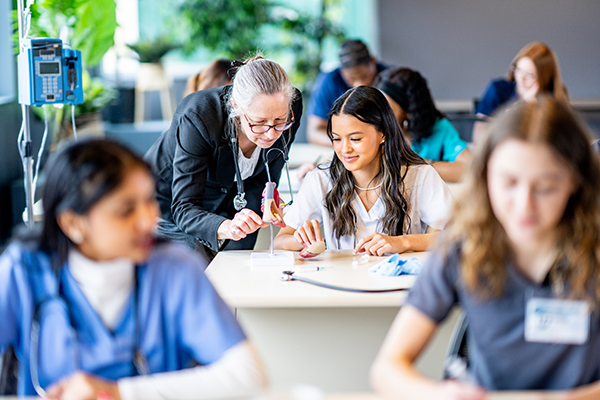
(278, 259)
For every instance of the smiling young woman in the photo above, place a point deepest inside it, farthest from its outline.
(533, 71)
(377, 195)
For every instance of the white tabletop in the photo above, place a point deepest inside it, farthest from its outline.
(241, 285)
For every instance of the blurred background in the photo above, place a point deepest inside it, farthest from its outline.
(138, 55)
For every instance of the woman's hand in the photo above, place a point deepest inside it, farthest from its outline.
(454, 390)
(377, 244)
(304, 169)
(81, 386)
(308, 233)
(243, 223)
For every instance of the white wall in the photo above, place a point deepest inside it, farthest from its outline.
(459, 45)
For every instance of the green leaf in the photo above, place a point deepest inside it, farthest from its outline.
(94, 31)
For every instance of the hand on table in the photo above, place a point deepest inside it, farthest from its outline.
(82, 386)
(377, 244)
(308, 233)
(530, 93)
(455, 390)
(244, 223)
(304, 169)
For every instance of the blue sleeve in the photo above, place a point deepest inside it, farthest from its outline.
(10, 308)
(207, 327)
(433, 293)
(323, 96)
(453, 145)
(497, 93)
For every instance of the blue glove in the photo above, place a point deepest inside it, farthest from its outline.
(395, 266)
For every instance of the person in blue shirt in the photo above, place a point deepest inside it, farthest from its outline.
(521, 258)
(95, 307)
(534, 70)
(357, 68)
(429, 132)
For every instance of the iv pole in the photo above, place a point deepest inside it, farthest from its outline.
(25, 143)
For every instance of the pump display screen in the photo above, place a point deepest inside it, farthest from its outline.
(47, 68)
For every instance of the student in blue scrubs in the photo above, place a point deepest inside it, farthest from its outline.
(430, 133)
(521, 256)
(96, 308)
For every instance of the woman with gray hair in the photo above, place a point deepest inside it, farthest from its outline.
(223, 145)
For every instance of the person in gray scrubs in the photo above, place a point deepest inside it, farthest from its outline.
(521, 257)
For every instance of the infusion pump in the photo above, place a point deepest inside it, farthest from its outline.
(49, 73)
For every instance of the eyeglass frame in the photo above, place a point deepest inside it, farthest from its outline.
(527, 75)
(290, 122)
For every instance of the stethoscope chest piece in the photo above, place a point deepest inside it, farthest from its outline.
(239, 202)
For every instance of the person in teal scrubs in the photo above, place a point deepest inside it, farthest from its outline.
(430, 133)
(95, 307)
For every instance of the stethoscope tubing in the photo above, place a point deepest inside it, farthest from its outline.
(239, 201)
(289, 276)
(139, 361)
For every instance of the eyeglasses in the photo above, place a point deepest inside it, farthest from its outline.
(264, 128)
(527, 75)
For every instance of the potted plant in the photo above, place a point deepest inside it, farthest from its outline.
(230, 28)
(153, 50)
(152, 76)
(234, 28)
(88, 26)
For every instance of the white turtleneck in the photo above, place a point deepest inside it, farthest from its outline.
(239, 372)
(107, 285)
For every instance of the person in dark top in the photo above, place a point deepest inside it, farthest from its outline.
(521, 258)
(357, 68)
(534, 70)
(223, 145)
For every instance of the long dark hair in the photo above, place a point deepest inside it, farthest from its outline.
(409, 89)
(77, 178)
(370, 106)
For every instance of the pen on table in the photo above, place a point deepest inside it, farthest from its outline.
(309, 269)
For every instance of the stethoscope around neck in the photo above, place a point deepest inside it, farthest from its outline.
(139, 361)
(239, 201)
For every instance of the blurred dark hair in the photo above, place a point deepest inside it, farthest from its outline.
(77, 178)
(370, 106)
(409, 89)
(354, 53)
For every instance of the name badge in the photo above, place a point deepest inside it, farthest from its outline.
(556, 321)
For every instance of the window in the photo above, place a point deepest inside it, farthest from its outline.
(7, 59)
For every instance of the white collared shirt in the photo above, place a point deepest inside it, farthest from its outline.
(429, 202)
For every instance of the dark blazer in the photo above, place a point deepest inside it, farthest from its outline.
(193, 163)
